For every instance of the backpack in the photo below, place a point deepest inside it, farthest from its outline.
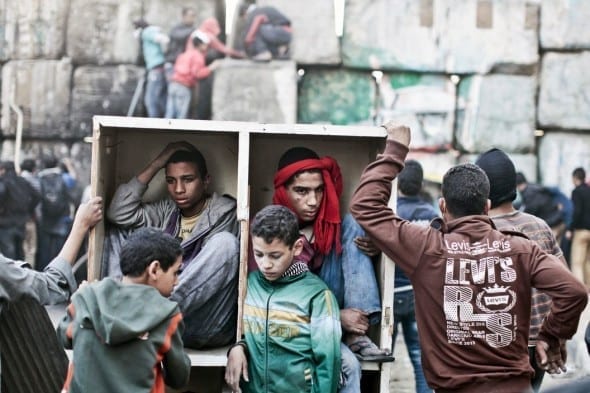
(18, 196)
(55, 199)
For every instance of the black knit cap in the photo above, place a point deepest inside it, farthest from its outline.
(409, 180)
(296, 154)
(501, 174)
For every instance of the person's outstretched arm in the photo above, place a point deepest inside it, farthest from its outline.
(56, 282)
(369, 204)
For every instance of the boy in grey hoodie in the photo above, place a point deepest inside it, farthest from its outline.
(126, 335)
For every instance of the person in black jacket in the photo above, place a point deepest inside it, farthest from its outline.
(18, 200)
(538, 201)
(580, 227)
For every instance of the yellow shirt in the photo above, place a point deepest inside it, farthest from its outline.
(187, 224)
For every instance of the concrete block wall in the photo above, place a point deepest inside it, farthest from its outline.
(65, 61)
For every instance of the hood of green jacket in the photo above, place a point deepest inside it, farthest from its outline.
(110, 309)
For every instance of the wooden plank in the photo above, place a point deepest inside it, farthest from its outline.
(237, 126)
(215, 357)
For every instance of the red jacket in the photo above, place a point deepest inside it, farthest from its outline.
(190, 67)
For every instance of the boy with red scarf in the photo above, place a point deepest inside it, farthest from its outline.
(336, 249)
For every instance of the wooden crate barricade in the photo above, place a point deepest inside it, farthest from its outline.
(242, 159)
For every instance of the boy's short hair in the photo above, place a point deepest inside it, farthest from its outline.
(409, 180)
(145, 246)
(276, 222)
(466, 189)
(194, 156)
(579, 173)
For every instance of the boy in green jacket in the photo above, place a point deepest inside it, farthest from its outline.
(291, 319)
(126, 335)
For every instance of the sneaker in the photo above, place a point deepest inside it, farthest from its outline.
(366, 350)
(262, 56)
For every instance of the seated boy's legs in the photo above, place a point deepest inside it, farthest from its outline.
(207, 293)
(360, 283)
(351, 371)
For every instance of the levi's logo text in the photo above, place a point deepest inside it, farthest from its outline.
(478, 295)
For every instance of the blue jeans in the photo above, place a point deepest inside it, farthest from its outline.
(351, 275)
(351, 371)
(269, 38)
(155, 92)
(178, 102)
(207, 293)
(403, 313)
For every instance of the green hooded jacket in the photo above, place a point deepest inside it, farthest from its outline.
(125, 337)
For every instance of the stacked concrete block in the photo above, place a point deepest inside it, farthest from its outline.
(563, 96)
(426, 103)
(102, 32)
(260, 92)
(453, 36)
(559, 154)
(33, 29)
(496, 111)
(101, 91)
(41, 89)
(314, 32)
(564, 24)
(336, 96)
(389, 34)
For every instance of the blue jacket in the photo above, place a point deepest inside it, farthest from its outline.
(414, 209)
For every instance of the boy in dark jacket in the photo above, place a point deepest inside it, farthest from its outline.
(126, 335)
(291, 319)
(472, 283)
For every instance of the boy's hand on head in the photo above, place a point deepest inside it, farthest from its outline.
(89, 213)
(237, 366)
(551, 359)
(398, 133)
(170, 149)
(354, 321)
(365, 244)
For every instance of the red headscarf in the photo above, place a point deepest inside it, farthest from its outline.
(326, 227)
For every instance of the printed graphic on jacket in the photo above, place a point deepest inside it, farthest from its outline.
(478, 298)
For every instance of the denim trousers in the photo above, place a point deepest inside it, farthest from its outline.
(350, 381)
(404, 314)
(178, 102)
(207, 293)
(155, 92)
(351, 275)
(269, 38)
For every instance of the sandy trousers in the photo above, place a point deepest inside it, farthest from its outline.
(580, 255)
